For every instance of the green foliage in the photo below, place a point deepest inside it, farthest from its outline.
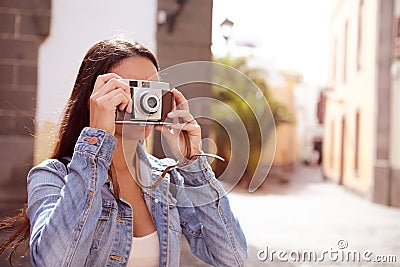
(280, 112)
(244, 97)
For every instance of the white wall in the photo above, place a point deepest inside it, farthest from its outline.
(75, 26)
(306, 101)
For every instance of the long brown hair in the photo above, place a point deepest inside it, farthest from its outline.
(100, 59)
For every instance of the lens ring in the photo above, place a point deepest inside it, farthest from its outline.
(149, 102)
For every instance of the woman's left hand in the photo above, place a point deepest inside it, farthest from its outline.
(174, 136)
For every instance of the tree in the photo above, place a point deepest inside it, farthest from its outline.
(246, 104)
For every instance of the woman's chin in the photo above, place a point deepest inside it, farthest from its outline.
(134, 132)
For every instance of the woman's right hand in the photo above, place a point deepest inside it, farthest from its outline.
(108, 94)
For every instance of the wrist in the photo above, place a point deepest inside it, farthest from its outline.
(97, 142)
(103, 128)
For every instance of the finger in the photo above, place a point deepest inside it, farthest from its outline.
(130, 106)
(189, 127)
(184, 114)
(119, 100)
(112, 96)
(111, 85)
(101, 80)
(181, 101)
(113, 93)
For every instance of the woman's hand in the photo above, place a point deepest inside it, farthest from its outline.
(174, 136)
(108, 94)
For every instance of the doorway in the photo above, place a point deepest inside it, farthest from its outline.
(342, 151)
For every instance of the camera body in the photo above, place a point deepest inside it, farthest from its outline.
(151, 102)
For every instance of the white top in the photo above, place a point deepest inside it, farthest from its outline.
(145, 251)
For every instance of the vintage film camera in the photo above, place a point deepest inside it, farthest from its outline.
(151, 102)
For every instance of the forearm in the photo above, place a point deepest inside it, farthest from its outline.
(64, 206)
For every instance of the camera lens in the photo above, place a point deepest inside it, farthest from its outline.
(149, 102)
(152, 102)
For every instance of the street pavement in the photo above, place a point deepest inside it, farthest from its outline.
(308, 213)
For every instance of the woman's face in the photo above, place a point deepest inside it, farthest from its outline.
(136, 68)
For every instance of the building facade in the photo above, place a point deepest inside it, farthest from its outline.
(360, 149)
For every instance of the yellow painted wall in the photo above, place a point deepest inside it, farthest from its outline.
(355, 94)
(286, 153)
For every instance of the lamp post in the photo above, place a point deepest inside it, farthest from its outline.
(226, 28)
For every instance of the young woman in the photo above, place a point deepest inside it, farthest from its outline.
(85, 207)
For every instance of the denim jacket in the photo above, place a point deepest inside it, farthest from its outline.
(77, 221)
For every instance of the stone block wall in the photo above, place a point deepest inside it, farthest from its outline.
(24, 24)
(188, 40)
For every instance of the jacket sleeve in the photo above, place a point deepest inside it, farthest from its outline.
(213, 232)
(65, 204)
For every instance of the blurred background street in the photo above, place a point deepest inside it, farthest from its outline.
(309, 213)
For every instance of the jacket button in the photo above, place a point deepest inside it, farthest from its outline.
(93, 140)
(156, 200)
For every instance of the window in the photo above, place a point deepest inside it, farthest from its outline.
(397, 39)
(346, 28)
(332, 143)
(361, 18)
(398, 27)
(334, 62)
(357, 144)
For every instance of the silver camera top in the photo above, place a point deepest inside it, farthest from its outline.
(146, 84)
